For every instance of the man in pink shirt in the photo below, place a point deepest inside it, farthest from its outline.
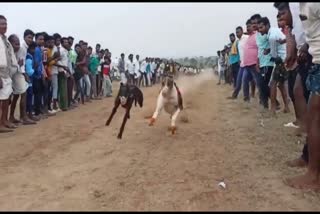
(250, 59)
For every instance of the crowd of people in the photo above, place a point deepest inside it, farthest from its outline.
(49, 74)
(284, 57)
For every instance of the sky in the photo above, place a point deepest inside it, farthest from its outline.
(148, 29)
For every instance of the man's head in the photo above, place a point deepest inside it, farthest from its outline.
(232, 37)
(137, 57)
(57, 39)
(15, 42)
(28, 36)
(284, 12)
(130, 57)
(219, 53)
(3, 25)
(264, 25)
(65, 43)
(122, 56)
(77, 47)
(31, 48)
(249, 26)
(71, 40)
(39, 39)
(49, 40)
(254, 21)
(239, 32)
(89, 52)
(109, 54)
(98, 46)
(81, 43)
(84, 46)
(100, 54)
(281, 22)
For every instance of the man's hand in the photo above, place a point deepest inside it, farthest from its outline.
(266, 51)
(257, 68)
(20, 62)
(303, 54)
(281, 41)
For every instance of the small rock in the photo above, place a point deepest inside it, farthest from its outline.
(222, 184)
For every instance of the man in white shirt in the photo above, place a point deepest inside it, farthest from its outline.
(64, 73)
(310, 17)
(130, 69)
(143, 73)
(137, 70)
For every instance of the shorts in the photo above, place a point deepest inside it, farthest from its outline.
(279, 74)
(6, 89)
(313, 80)
(19, 84)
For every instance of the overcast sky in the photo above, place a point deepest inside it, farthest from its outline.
(148, 29)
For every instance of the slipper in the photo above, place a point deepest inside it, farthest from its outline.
(28, 122)
(5, 130)
(11, 126)
(291, 125)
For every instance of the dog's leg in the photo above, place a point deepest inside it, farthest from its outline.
(173, 121)
(125, 118)
(158, 109)
(114, 110)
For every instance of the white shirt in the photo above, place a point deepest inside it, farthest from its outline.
(143, 66)
(64, 59)
(54, 69)
(153, 67)
(277, 49)
(312, 28)
(241, 44)
(136, 67)
(130, 67)
(297, 30)
(20, 55)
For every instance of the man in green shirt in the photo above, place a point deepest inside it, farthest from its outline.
(93, 68)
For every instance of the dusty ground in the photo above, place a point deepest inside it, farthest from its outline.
(74, 162)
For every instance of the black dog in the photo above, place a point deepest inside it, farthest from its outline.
(126, 96)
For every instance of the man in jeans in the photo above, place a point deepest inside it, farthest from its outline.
(250, 61)
(242, 38)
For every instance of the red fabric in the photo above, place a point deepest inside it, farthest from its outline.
(106, 69)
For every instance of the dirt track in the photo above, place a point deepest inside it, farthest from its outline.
(73, 162)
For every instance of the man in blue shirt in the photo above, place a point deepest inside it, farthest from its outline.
(234, 58)
(38, 76)
(278, 55)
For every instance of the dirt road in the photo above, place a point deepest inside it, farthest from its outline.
(73, 162)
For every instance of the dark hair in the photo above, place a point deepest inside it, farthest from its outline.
(11, 37)
(27, 33)
(70, 37)
(239, 28)
(98, 45)
(56, 36)
(33, 45)
(264, 21)
(85, 43)
(77, 45)
(90, 47)
(255, 16)
(38, 34)
(122, 54)
(45, 34)
(2, 17)
(232, 34)
(281, 5)
(248, 22)
(64, 39)
(48, 38)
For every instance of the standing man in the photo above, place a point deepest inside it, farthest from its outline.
(130, 69)
(278, 55)
(122, 69)
(137, 70)
(242, 38)
(250, 61)
(6, 58)
(234, 58)
(310, 17)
